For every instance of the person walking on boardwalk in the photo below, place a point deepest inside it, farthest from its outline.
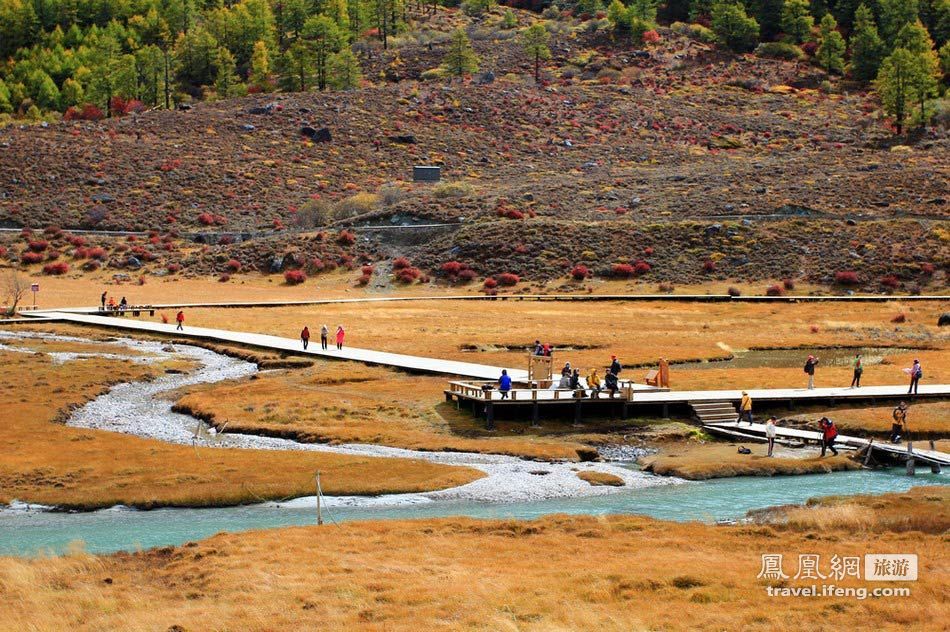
(340, 334)
(324, 336)
(180, 319)
(916, 372)
(615, 367)
(305, 337)
(770, 433)
(745, 408)
(504, 384)
(899, 423)
(857, 366)
(810, 365)
(593, 383)
(102, 299)
(829, 432)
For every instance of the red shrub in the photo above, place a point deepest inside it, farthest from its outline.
(96, 253)
(173, 267)
(507, 279)
(76, 240)
(346, 238)
(490, 283)
(401, 263)
(89, 112)
(788, 284)
(295, 277)
(407, 275)
(30, 257)
(580, 272)
(709, 265)
(121, 107)
(225, 240)
(55, 231)
(38, 246)
(363, 280)
(206, 219)
(648, 250)
(651, 37)
(467, 275)
(52, 255)
(890, 281)
(900, 318)
(810, 48)
(847, 277)
(622, 270)
(3, 252)
(641, 267)
(733, 291)
(451, 268)
(367, 271)
(775, 290)
(927, 269)
(224, 278)
(56, 268)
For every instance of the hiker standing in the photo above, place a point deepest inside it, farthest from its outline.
(770, 433)
(900, 421)
(857, 365)
(102, 299)
(538, 348)
(305, 337)
(829, 432)
(916, 372)
(810, 365)
(745, 408)
(324, 336)
(340, 334)
(504, 384)
(615, 367)
(123, 305)
(180, 319)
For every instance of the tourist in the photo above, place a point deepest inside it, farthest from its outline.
(810, 365)
(340, 334)
(610, 381)
(770, 433)
(565, 381)
(504, 384)
(305, 337)
(324, 335)
(615, 367)
(112, 305)
(123, 304)
(547, 350)
(900, 421)
(180, 319)
(593, 383)
(828, 435)
(102, 299)
(566, 371)
(916, 372)
(858, 367)
(576, 379)
(538, 348)
(745, 408)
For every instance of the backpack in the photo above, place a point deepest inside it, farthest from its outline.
(807, 364)
(920, 373)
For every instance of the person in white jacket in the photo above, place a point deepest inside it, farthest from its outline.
(770, 433)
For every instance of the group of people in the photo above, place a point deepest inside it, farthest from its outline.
(828, 429)
(108, 303)
(324, 337)
(571, 377)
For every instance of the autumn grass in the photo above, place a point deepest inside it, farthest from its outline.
(722, 460)
(52, 464)
(601, 478)
(555, 573)
(924, 419)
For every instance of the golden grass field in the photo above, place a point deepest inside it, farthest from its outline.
(555, 573)
(48, 463)
(696, 461)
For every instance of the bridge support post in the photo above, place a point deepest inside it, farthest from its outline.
(490, 416)
(910, 459)
(934, 467)
(535, 414)
(666, 411)
(623, 411)
(577, 412)
(867, 457)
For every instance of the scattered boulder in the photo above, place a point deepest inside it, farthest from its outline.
(321, 135)
(944, 320)
(404, 139)
(103, 198)
(270, 108)
(485, 78)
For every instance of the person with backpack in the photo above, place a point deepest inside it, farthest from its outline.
(305, 337)
(615, 367)
(180, 319)
(916, 372)
(770, 433)
(745, 408)
(829, 432)
(810, 365)
(538, 348)
(324, 336)
(900, 421)
(504, 384)
(857, 366)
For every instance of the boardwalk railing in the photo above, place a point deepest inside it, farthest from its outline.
(477, 390)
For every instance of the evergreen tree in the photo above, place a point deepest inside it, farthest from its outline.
(323, 38)
(534, 39)
(194, 54)
(867, 49)
(733, 27)
(944, 54)
(896, 84)
(6, 106)
(338, 11)
(296, 68)
(796, 20)
(460, 58)
(259, 75)
(895, 14)
(226, 82)
(45, 92)
(643, 9)
(345, 73)
(831, 46)
(71, 94)
(769, 14)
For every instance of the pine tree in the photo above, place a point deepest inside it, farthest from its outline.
(796, 20)
(6, 107)
(338, 11)
(323, 38)
(259, 74)
(894, 84)
(895, 14)
(345, 72)
(534, 39)
(295, 67)
(71, 94)
(867, 49)
(769, 14)
(460, 58)
(733, 27)
(831, 46)
(915, 39)
(226, 82)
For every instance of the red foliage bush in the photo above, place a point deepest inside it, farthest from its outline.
(88, 112)
(58, 268)
(900, 318)
(775, 290)
(810, 48)
(38, 245)
(346, 238)
(97, 253)
(363, 280)
(295, 277)
(3, 252)
(76, 240)
(622, 270)
(206, 219)
(233, 265)
(788, 284)
(30, 257)
(367, 270)
(224, 278)
(580, 272)
(54, 231)
(927, 269)
(173, 267)
(121, 107)
(847, 277)
(651, 37)
(407, 275)
(52, 255)
(225, 240)
(890, 281)
(451, 268)
(401, 263)
(648, 250)
(490, 283)
(641, 267)
(709, 265)
(467, 275)
(507, 279)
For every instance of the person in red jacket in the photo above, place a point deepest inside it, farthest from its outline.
(305, 337)
(339, 337)
(829, 432)
(180, 319)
